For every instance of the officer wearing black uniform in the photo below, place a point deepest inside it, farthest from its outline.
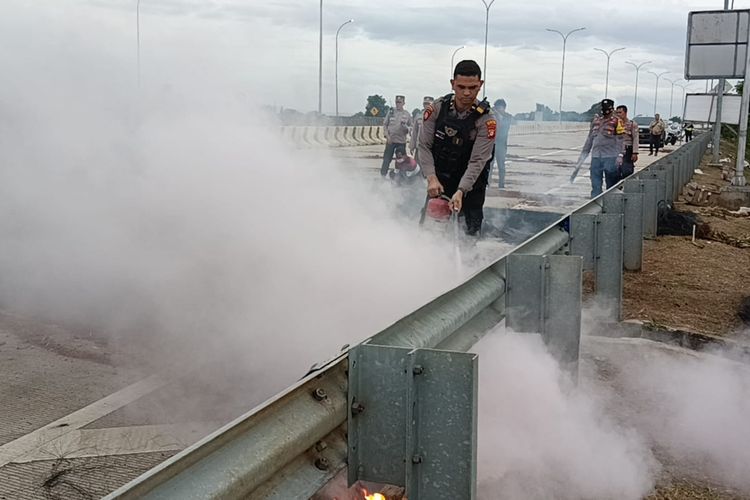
(456, 144)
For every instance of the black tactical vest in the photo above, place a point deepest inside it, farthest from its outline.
(454, 139)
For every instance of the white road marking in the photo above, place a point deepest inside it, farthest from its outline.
(37, 439)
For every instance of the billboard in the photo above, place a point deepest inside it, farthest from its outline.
(717, 44)
(702, 108)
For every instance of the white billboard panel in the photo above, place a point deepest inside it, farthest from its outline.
(702, 108)
(717, 44)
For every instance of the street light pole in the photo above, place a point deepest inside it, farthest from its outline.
(453, 57)
(608, 54)
(562, 72)
(336, 71)
(486, 30)
(684, 89)
(671, 96)
(656, 90)
(320, 61)
(138, 39)
(637, 70)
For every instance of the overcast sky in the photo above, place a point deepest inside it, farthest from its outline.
(268, 50)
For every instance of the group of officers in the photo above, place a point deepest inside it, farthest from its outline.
(457, 137)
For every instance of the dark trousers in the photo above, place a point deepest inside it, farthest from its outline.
(688, 135)
(473, 202)
(501, 150)
(627, 167)
(390, 150)
(603, 167)
(654, 143)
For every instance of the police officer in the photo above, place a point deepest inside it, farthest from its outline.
(604, 142)
(396, 127)
(456, 144)
(630, 144)
(688, 132)
(426, 102)
(505, 120)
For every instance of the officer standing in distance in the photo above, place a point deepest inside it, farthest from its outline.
(456, 145)
(396, 127)
(426, 102)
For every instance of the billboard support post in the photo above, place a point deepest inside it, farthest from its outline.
(739, 172)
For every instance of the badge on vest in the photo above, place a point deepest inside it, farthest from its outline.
(451, 131)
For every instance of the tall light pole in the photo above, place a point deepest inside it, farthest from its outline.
(138, 39)
(337, 63)
(719, 106)
(320, 61)
(684, 88)
(453, 57)
(486, 30)
(608, 54)
(671, 96)
(656, 89)
(637, 70)
(562, 72)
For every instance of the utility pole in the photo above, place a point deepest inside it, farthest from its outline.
(637, 70)
(719, 104)
(320, 62)
(562, 71)
(486, 30)
(608, 54)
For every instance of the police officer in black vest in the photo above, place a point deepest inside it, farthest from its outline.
(456, 144)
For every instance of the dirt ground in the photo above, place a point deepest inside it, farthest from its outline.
(696, 287)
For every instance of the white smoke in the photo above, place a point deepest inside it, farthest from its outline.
(542, 437)
(693, 407)
(176, 218)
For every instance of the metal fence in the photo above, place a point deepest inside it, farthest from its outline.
(295, 443)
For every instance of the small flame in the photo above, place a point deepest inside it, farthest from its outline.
(374, 496)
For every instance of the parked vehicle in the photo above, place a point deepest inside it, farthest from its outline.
(644, 133)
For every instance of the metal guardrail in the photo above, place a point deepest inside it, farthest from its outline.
(292, 445)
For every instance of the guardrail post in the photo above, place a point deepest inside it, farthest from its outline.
(650, 204)
(609, 261)
(544, 296)
(632, 235)
(666, 173)
(583, 239)
(412, 420)
(630, 205)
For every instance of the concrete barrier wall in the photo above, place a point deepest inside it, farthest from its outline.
(348, 136)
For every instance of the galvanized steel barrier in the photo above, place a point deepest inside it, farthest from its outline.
(339, 136)
(292, 445)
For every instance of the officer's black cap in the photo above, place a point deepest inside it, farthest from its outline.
(608, 104)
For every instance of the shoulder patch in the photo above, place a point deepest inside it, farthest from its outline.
(491, 129)
(428, 112)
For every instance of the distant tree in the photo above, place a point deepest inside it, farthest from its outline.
(740, 85)
(376, 106)
(676, 119)
(594, 110)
